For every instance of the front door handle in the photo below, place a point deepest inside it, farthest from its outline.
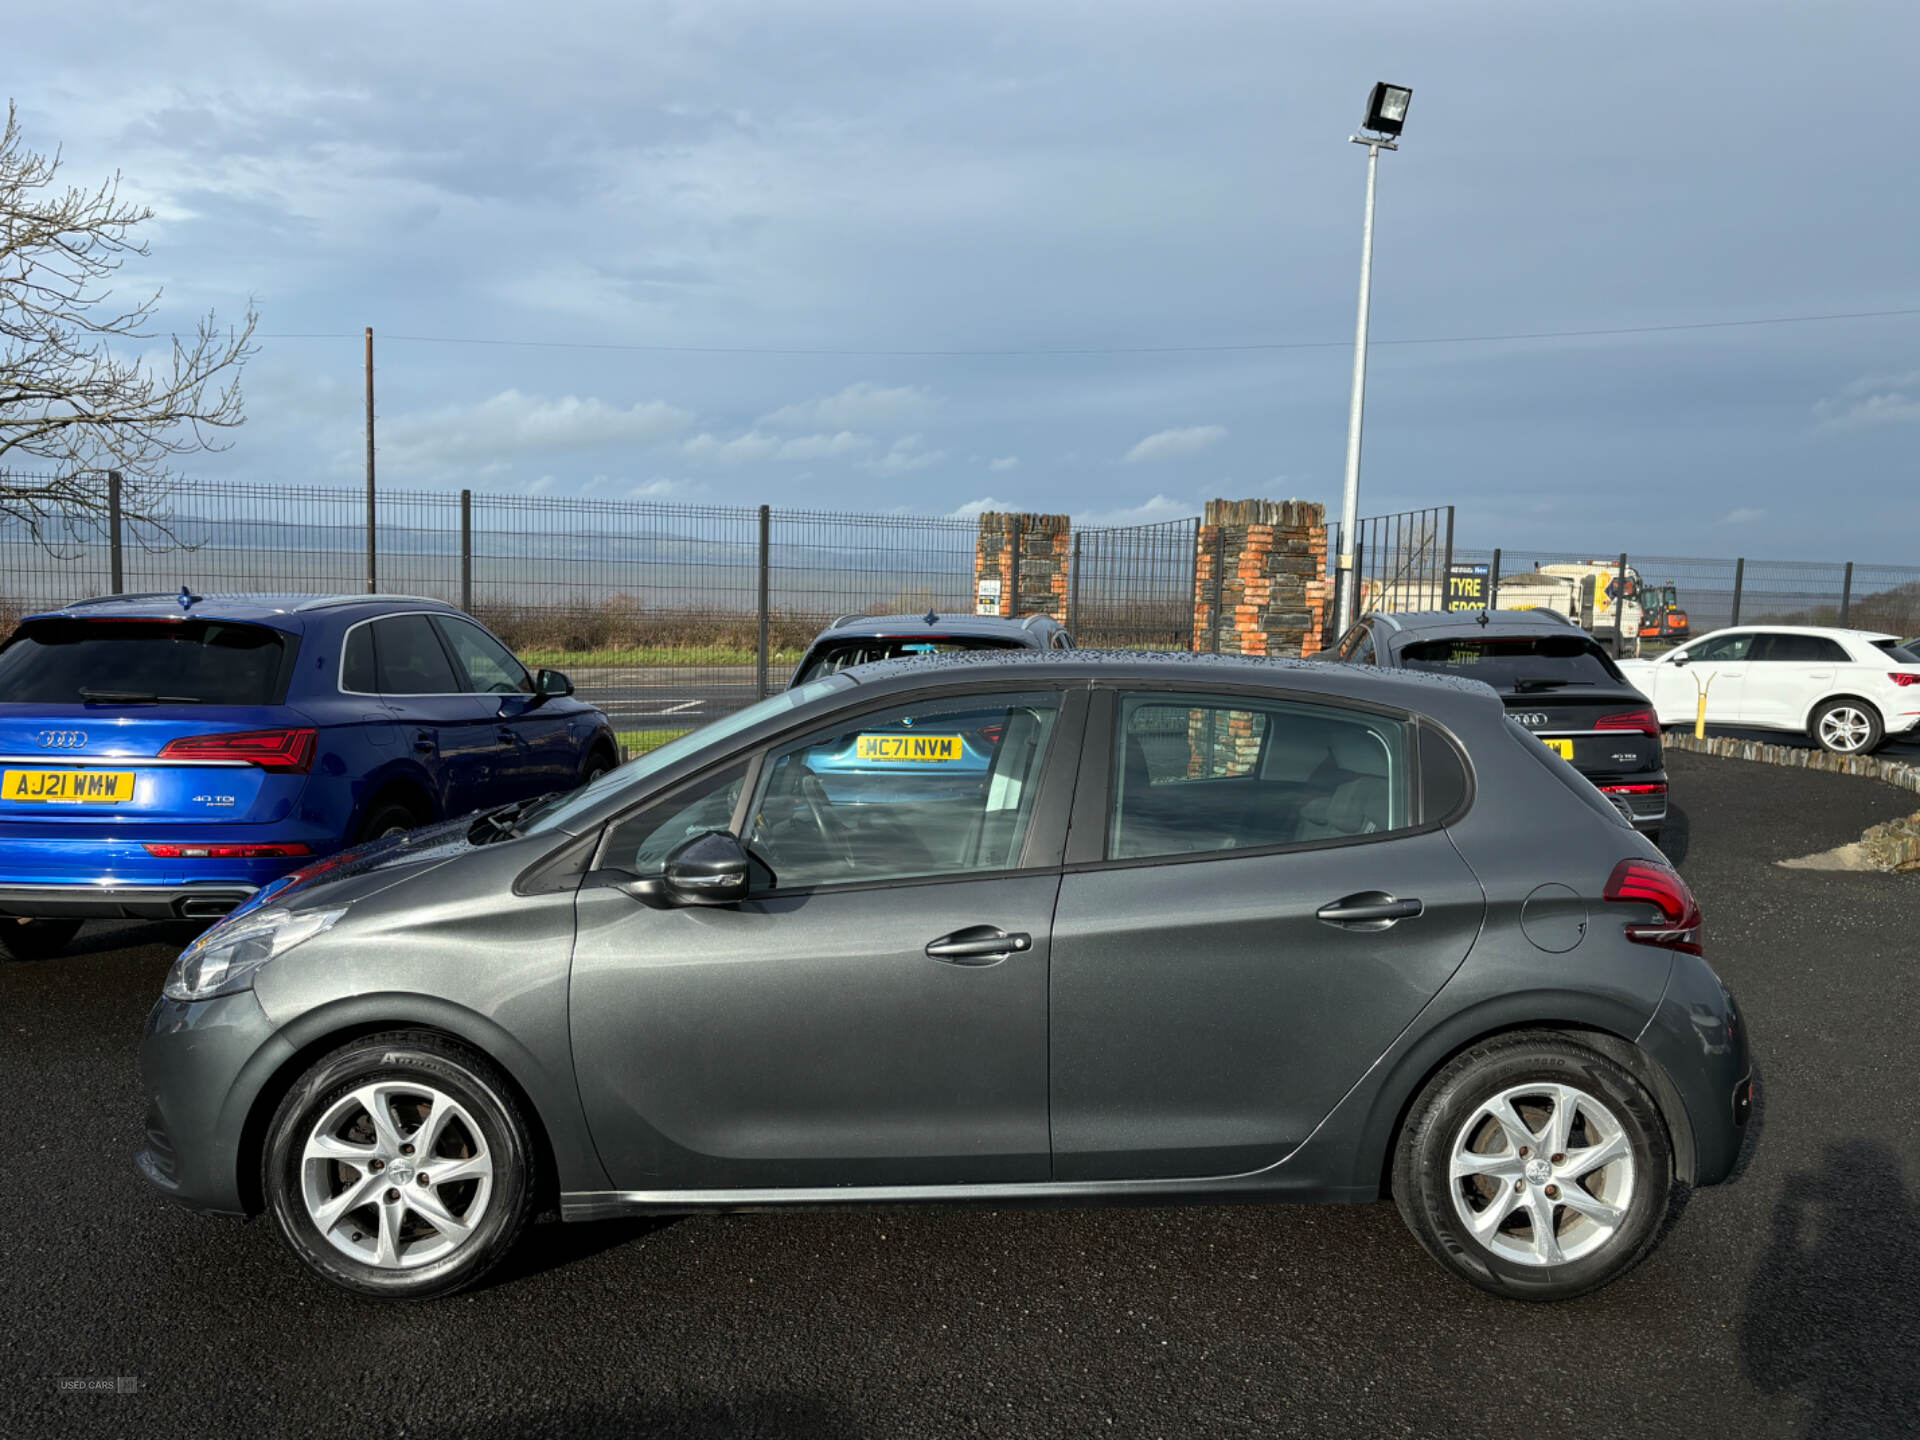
(1369, 910)
(423, 741)
(978, 945)
(505, 735)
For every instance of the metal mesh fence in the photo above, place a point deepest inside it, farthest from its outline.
(1400, 561)
(1131, 587)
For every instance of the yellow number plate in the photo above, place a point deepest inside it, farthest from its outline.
(909, 749)
(1562, 748)
(72, 787)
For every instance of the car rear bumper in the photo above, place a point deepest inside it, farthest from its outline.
(109, 900)
(1698, 1037)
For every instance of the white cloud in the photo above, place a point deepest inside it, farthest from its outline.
(1004, 464)
(1160, 507)
(487, 434)
(903, 457)
(824, 447)
(1742, 515)
(1872, 400)
(756, 445)
(1165, 444)
(861, 403)
(663, 488)
(974, 509)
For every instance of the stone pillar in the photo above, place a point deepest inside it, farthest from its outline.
(1266, 562)
(1036, 578)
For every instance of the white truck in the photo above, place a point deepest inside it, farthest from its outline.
(1588, 592)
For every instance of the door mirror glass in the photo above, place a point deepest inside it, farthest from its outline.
(710, 869)
(552, 682)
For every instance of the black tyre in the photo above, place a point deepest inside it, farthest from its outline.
(1535, 1167)
(35, 939)
(1847, 727)
(400, 1166)
(598, 764)
(387, 817)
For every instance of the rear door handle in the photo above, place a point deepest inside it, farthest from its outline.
(1369, 910)
(505, 735)
(423, 741)
(978, 945)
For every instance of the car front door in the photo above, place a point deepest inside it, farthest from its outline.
(1210, 1003)
(535, 755)
(450, 730)
(1717, 664)
(1786, 674)
(875, 1013)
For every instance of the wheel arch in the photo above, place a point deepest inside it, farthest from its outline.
(1607, 1026)
(1813, 713)
(406, 784)
(321, 1031)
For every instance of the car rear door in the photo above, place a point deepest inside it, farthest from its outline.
(452, 732)
(876, 1012)
(1253, 909)
(1787, 673)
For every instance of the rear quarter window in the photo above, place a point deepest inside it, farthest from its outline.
(192, 662)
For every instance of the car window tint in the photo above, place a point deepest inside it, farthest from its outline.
(1722, 649)
(411, 661)
(357, 670)
(1901, 652)
(642, 842)
(1202, 773)
(940, 788)
(1556, 659)
(61, 661)
(490, 666)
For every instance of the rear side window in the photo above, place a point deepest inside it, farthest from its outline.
(409, 658)
(357, 670)
(832, 656)
(1522, 662)
(1198, 773)
(1801, 649)
(183, 662)
(1898, 652)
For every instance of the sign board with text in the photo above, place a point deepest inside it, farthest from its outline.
(986, 599)
(1468, 587)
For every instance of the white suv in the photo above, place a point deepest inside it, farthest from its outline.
(1847, 689)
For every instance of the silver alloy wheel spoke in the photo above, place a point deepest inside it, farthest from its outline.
(1844, 729)
(1516, 1156)
(413, 1221)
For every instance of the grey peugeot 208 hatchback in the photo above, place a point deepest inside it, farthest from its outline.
(1201, 929)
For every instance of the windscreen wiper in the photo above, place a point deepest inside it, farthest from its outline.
(134, 697)
(1542, 683)
(501, 822)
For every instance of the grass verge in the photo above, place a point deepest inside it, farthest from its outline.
(639, 742)
(662, 655)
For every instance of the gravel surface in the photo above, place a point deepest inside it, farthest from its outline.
(1788, 1304)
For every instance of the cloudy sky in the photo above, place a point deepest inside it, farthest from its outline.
(1085, 257)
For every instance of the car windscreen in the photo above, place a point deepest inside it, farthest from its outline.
(832, 656)
(635, 774)
(62, 661)
(1516, 663)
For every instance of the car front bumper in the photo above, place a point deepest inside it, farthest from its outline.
(204, 1064)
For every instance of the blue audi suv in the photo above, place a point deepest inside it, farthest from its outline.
(162, 757)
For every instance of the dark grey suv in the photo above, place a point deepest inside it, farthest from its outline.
(1199, 929)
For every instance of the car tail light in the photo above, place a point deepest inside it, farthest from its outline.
(1634, 789)
(226, 852)
(269, 749)
(1904, 677)
(1676, 925)
(1645, 721)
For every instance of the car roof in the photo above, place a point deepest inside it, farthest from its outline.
(1508, 621)
(1830, 631)
(282, 611)
(961, 626)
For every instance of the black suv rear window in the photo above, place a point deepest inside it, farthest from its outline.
(1524, 662)
(835, 655)
(135, 662)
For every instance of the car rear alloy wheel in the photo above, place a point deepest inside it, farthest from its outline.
(1536, 1166)
(400, 1166)
(1847, 727)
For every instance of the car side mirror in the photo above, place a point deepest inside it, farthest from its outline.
(710, 869)
(549, 683)
(1679, 659)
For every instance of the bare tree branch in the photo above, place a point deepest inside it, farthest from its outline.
(70, 405)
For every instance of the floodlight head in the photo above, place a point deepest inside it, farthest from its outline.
(1387, 108)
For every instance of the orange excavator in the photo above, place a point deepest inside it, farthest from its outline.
(1661, 617)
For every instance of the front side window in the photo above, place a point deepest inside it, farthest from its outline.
(490, 666)
(1722, 649)
(410, 659)
(641, 843)
(944, 787)
(1197, 773)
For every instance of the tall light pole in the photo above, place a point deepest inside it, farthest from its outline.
(1386, 114)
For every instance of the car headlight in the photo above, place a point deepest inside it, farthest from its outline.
(223, 960)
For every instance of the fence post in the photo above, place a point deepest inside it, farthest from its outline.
(1739, 577)
(1446, 570)
(1620, 613)
(1219, 580)
(1013, 566)
(114, 534)
(1493, 582)
(1846, 594)
(761, 603)
(1073, 590)
(466, 551)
